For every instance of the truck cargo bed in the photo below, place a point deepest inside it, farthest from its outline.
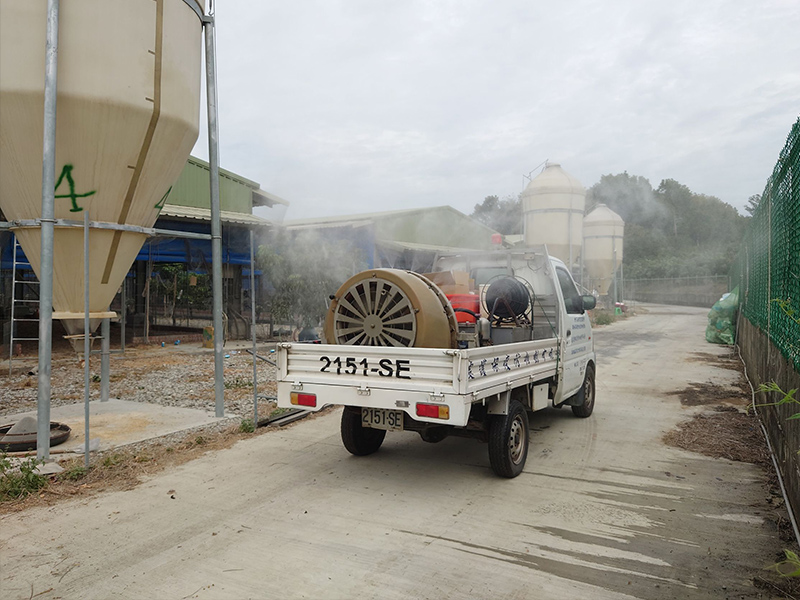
(397, 378)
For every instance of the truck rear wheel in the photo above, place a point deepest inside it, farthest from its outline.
(585, 408)
(508, 441)
(359, 440)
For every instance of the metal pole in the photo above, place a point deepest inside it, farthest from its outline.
(216, 225)
(105, 367)
(149, 276)
(614, 245)
(569, 228)
(86, 340)
(253, 326)
(124, 313)
(13, 301)
(47, 228)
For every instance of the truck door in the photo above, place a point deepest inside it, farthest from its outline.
(577, 346)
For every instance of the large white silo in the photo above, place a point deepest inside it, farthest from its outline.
(603, 232)
(127, 117)
(552, 207)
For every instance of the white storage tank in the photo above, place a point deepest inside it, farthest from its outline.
(552, 207)
(127, 117)
(603, 231)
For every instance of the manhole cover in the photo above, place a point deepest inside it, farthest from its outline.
(21, 435)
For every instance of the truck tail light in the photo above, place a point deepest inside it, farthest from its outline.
(434, 411)
(299, 399)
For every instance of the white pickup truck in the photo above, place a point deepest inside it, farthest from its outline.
(404, 354)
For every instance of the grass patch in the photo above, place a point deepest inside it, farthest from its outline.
(246, 426)
(73, 473)
(112, 459)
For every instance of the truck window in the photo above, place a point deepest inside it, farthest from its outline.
(572, 299)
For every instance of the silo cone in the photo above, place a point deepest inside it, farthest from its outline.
(127, 118)
(603, 243)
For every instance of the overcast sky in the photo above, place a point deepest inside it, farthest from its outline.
(355, 106)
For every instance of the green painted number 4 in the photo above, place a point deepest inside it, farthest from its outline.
(66, 173)
(160, 204)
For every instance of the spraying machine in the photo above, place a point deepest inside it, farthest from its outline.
(466, 350)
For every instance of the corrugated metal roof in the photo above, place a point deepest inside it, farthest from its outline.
(421, 247)
(267, 199)
(199, 162)
(360, 218)
(204, 214)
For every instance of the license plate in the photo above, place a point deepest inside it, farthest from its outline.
(380, 418)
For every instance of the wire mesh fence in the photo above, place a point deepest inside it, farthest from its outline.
(767, 269)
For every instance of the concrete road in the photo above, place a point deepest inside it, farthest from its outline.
(603, 509)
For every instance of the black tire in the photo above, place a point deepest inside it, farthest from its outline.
(359, 440)
(508, 441)
(586, 407)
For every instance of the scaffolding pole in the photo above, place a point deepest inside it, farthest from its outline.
(47, 227)
(86, 339)
(216, 225)
(253, 326)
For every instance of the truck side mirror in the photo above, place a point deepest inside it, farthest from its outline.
(589, 302)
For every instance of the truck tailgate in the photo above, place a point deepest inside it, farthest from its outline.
(398, 378)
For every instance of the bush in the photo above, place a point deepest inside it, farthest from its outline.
(603, 318)
(246, 426)
(19, 482)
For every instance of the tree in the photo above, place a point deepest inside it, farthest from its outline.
(677, 198)
(670, 231)
(302, 271)
(752, 204)
(504, 216)
(630, 196)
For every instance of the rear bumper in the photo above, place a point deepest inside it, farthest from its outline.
(459, 406)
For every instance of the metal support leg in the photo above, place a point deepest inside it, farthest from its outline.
(124, 314)
(86, 338)
(105, 367)
(216, 224)
(253, 326)
(48, 220)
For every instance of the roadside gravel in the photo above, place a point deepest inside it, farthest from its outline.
(181, 376)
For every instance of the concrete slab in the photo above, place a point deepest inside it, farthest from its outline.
(120, 422)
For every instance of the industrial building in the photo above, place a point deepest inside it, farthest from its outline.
(184, 208)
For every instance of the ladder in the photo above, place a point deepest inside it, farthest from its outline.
(19, 300)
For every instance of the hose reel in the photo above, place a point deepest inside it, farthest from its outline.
(508, 299)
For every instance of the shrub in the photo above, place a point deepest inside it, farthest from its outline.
(18, 482)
